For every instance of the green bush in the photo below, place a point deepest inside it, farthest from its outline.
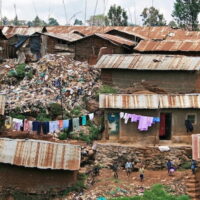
(55, 110)
(106, 89)
(76, 111)
(64, 135)
(186, 165)
(157, 192)
(18, 73)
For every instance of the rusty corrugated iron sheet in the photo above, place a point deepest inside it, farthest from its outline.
(70, 37)
(122, 101)
(117, 39)
(196, 147)
(168, 45)
(147, 32)
(148, 62)
(148, 101)
(10, 31)
(2, 104)
(40, 154)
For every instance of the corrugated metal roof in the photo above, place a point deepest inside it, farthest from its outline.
(39, 154)
(147, 101)
(147, 32)
(168, 45)
(67, 37)
(112, 38)
(117, 39)
(2, 104)
(148, 62)
(10, 31)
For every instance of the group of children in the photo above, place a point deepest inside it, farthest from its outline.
(129, 166)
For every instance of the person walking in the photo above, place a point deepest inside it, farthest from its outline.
(115, 170)
(193, 166)
(128, 167)
(141, 171)
(169, 166)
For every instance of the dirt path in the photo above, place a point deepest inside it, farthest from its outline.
(106, 185)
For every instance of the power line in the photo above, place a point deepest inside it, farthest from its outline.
(85, 11)
(95, 9)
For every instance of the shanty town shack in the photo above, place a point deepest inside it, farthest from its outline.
(172, 110)
(89, 48)
(155, 73)
(196, 146)
(35, 165)
(161, 87)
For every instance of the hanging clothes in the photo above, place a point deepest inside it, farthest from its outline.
(91, 116)
(60, 124)
(53, 126)
(121, 115)
(17, 124)
(76, 125)
(144, 123)
(134, 118)
(127, 116)
(83, 120)
(26, 125)
(45, 127)
(188, 126)
(162, 124)
(66, 124)
(8, 122)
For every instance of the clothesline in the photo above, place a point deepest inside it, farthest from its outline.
(144, 122)
(49, 126)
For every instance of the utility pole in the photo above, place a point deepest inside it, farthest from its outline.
(65, 12)
(1, 12)
(85, 11)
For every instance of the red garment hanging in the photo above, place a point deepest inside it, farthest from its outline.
(162, 124)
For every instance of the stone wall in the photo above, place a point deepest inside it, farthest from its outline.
(152, 157)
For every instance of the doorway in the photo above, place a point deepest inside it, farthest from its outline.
(165, 126)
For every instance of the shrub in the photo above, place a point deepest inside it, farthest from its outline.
(55, 110)
(157, 192)
(18, 73)
(76, 111)
(106, 89)
(186, 165)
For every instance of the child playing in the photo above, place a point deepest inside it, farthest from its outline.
(141, 171)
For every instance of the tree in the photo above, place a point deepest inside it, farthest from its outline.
(98, 20)
(16, 21)
(5, 21)
(53, 22)
(78, 22)
(186, 13)
(117, 16)
(172, 24)
(38, 22)
(152, 17)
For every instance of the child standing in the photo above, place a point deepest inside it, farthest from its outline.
(141, 171)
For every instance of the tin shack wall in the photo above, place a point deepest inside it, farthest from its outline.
(86, 48)
(169, 81)
(130, 133)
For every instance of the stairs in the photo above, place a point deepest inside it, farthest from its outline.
(193, 187)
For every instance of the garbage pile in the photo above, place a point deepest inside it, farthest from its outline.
(55, 79)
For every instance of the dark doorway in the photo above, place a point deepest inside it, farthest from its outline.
(165, 126)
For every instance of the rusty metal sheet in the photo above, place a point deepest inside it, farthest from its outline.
(168, 45)
(2, 104)
(149, 62)
(40, 154)
(10, 31)
(180, 101)
(196, 147)
(122, 101)
(67, 37)
(147, 101)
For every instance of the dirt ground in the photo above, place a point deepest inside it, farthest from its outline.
(106, 185)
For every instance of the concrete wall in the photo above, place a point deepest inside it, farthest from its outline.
(169, 81)
(130, 133)
(86, 48)
(32, 180)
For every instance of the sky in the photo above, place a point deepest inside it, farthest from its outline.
(28, 9)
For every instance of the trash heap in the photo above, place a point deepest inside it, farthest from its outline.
(55, 79)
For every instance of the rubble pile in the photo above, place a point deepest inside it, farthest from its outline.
(56, 79)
